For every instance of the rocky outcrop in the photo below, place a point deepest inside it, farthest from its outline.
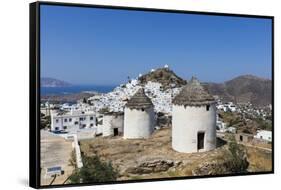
(234, 161)
(153, 166)
(164, 76)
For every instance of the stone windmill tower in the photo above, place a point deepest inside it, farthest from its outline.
(193, 119)
(139, 118)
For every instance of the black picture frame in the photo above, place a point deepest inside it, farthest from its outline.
(34, 90)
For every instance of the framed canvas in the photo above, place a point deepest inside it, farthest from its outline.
(122, 94)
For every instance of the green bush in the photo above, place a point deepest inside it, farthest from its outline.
(239, 162)
(264, 124)
(94, 170)
(45, 122)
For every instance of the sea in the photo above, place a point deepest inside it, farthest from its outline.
(75, 89)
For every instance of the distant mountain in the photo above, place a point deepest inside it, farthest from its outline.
(51, 82)
(243, 89)
(165, 76)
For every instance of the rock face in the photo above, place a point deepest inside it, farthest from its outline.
(234, 161)
(153, 167)
(217, 168)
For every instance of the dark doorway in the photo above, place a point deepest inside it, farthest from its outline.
(200, 140)
(115, 131)
(241, 138)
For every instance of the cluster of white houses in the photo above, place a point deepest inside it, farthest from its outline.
(229, 106)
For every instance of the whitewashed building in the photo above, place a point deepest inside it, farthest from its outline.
(221, 126)
(72, 121)
(264, 135)
(229, 106)
(139, 117)
(193, 119)
(113, 124)
(231, 130)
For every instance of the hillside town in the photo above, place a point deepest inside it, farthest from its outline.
(138, 109)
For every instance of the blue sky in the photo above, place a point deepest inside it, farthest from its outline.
(104, 47)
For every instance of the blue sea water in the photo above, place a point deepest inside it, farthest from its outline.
(75, 89)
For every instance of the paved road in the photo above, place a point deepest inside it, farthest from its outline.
(55, 151)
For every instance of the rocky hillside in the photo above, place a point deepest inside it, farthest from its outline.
(164, 76)
(243, 89)
(154, 157)
(51, 82)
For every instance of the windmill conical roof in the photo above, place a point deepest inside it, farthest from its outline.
(193, 94)
(139, 100)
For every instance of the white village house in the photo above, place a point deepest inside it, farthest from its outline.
(264, 135)
(72, 121)
(113, 124)
(193, 119)
(221, 126)
(139, 117)
(229, 106)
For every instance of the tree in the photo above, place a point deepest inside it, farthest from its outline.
(264, 124)
(94, 170)
(238, 153)
(45, 122)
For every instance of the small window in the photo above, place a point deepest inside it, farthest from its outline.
(70, 119)
(57, 120)
(64, 127)
(81, 118)
(142, 109)
(84, 125)
(56, 128)
(91, 118)
(208, 107)
(91, 125)
(65, 120)
(76, 123)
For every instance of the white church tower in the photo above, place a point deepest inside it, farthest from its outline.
(193, 119)
(139, 118)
